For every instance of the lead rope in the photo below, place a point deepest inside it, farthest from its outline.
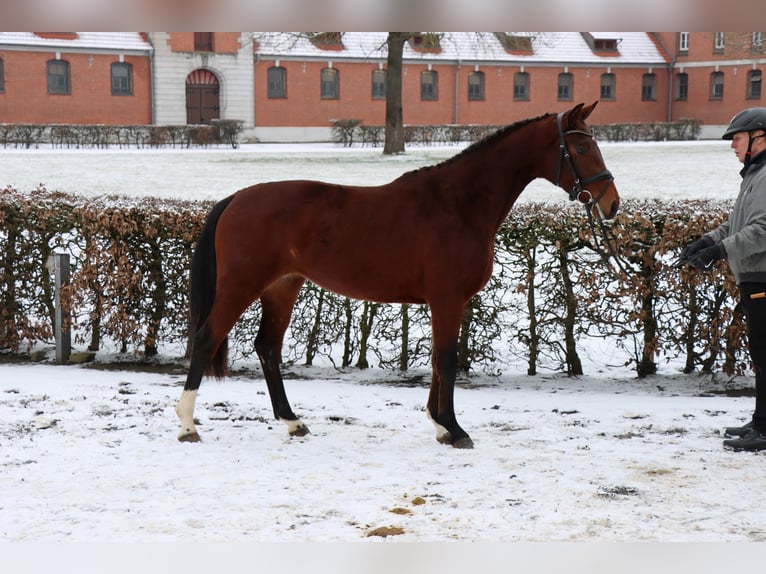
(611, 254)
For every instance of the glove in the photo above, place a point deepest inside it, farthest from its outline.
(704, 258)
(695, 247)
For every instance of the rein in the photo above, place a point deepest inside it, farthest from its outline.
(585, 196)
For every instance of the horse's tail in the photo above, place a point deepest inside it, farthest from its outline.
(202, 288)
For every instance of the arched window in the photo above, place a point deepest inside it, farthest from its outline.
(608, 86)
(521, 86)
(566, 86)
(429, 85)
(753, 85)
(122, 79)
(330, 89)
(379, 84)
(58, 77)
(277, 82)
(476, 86)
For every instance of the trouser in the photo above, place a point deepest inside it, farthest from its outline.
(755, 317)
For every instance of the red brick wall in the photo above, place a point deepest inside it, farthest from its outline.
(700, 61)
(26, 98)
(304, 107)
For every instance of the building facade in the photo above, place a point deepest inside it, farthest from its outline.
(290, 87)
(75, 78)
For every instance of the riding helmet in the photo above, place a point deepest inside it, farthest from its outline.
(746, 121)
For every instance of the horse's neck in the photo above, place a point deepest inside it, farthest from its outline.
(493, 177)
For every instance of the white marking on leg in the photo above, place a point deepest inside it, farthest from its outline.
(296, 427)
(185, 412)
(442, 434)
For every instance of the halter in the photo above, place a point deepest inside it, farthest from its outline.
(578, 191)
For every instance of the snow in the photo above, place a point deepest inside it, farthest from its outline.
(90, 455)
(666, 170)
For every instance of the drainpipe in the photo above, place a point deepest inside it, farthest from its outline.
(152, 95)
(457, 94)
(672, 67)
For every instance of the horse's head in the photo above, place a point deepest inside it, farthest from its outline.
(581, 168)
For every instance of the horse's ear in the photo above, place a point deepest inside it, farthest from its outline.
(570, 118)
(586, 111)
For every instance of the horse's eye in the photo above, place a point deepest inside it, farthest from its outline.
(580, 149)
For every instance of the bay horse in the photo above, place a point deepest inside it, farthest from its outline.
(427, 237)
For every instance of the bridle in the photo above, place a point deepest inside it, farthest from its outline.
(579, 192)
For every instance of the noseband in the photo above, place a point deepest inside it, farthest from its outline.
(578, 190)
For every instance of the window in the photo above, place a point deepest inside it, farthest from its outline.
(716, 86)
(608, 86)
(566, 86)
(521, 86)
(276, 78)
(757, 42)
(648, 83)
(379, 84)
(330, 89)
(429, 85)
(122, 79)
(754, 85)
(683, 41)
(58, 77)
(2, 77)
(719, 41)
(203, 41)
(682, 86)
(476, 86)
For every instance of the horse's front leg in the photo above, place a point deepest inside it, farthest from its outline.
(441, 407)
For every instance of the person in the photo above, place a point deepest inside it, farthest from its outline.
(742, 241)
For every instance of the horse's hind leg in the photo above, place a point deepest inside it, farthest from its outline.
(276, 307)
(207, 340)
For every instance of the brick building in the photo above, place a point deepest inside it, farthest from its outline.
(75, 78)
(289, 87)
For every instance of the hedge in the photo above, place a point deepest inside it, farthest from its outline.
(550, 296)
(348, 131)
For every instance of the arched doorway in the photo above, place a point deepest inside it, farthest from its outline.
(202, 97)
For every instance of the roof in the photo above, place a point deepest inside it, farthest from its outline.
(77, 41)
(547, 47)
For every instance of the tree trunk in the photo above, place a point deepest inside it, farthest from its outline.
(365, 330)
(394, 119)
(574, 365)
(405, 339)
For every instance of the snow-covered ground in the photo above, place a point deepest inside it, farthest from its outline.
(670, 170)
(91, 455)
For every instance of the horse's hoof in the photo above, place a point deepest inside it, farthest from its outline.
(191, 437)
(463, 442)
(298, 430)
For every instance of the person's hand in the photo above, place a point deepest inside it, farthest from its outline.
(704, 258)
(695, 247)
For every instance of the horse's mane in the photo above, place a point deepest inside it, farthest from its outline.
(480, 144)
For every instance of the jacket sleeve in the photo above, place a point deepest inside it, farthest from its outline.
(751, 238)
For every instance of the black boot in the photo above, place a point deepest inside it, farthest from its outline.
(753, 441)
(738, 431)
